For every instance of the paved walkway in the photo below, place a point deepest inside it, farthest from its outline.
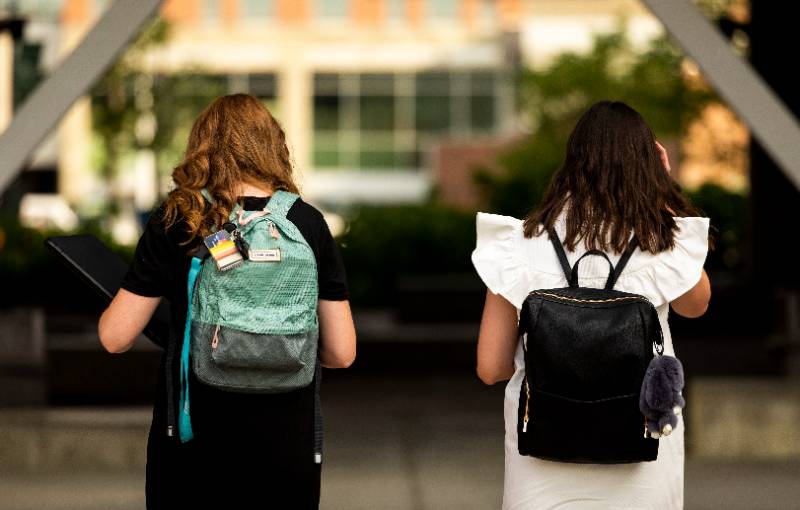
(417, 443)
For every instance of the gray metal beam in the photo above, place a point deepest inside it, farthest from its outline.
(53, 97)
(736, 82)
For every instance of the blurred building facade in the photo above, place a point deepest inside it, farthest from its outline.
(367, 90)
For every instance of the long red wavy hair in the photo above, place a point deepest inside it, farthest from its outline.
(234, 140)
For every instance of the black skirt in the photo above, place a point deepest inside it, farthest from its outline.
(248, 451)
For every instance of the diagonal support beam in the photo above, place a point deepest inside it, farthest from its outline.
(77, 73)
(736, 81)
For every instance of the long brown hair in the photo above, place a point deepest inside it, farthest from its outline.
(235, 139)
(612, 181)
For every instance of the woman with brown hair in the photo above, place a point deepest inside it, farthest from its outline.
(614, 184)
(248, 449)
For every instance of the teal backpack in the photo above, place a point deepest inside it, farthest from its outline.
(253, 328)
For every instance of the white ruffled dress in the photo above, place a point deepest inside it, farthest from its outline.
(512, 266)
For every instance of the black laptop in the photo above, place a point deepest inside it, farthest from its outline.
(103, 270)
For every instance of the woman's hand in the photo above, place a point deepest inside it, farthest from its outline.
(664, 158)
(125, 319)
(497, 339)
(337, 334)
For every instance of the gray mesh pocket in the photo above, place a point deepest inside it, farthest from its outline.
(240, 349)
(253, 362)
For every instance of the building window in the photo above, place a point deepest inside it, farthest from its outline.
(488, 13)
(257, 9)
(210, 11)
(387, 121)
(203, 86)
(328, 9)
(262, 86)
(37, 9)
(442, 9)
(265, 88)
(395, 11)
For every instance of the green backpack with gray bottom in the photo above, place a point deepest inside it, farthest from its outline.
(253, 328)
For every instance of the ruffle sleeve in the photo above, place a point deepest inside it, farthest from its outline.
(497, 257)
(670, 274)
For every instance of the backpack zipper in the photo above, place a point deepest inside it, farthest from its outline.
(215, 338)
(273, 231)
(622, 298)
(527, 401)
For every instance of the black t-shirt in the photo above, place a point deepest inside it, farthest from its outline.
(230, 429)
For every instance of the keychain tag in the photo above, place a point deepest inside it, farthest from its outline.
(265, 255)
(224, 251)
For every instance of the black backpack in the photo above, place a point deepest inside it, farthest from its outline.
(586, 355)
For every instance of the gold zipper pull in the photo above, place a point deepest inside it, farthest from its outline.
(527, 401)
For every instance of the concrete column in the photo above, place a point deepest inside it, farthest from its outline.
(295, 96)
(6, 78)
(74, 135)
(23, 356)
(145, 175)
(74, 138)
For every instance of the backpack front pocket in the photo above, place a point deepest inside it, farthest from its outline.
(237, 360)
(231, 348)
(601, 431)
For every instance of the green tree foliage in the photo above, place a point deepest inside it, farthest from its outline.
(114, 108)
(383, 244)
(729, 212)
(134, 109)
(32, 275)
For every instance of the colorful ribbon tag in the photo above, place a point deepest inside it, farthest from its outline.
(224, 250)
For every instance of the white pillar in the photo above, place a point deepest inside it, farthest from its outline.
(145, 191)
(295, 95)
(75, 180)
(6, 78)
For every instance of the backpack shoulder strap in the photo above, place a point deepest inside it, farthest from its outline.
(280, 202)
(623, 260)
(613, 276)
(562, 256)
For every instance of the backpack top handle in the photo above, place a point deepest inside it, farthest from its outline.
(571, 273)
(573, 278)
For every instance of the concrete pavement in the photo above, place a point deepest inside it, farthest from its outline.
(420, 442)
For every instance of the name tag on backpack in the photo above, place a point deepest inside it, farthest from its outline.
(267, 255)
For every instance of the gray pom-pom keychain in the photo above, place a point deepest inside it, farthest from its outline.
(660, 399)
